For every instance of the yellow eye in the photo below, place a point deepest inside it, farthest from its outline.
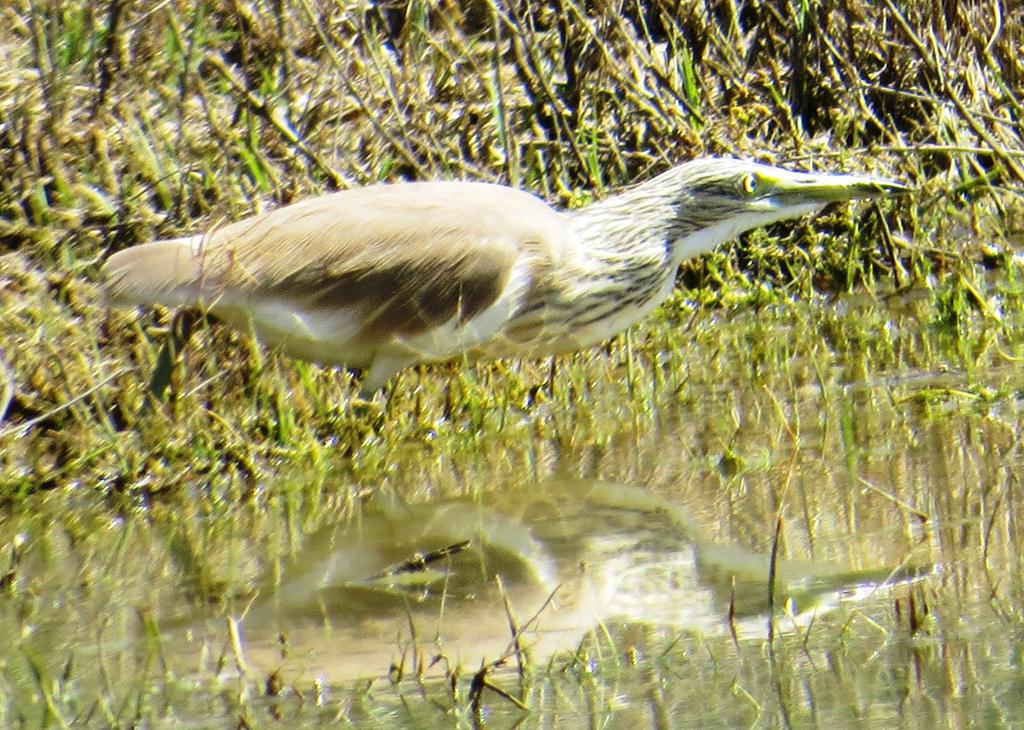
(750, 183)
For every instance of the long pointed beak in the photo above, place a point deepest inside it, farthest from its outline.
(811, 188)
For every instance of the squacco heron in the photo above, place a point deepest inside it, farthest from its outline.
(383, 277)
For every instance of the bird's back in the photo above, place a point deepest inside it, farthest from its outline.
(336, 277)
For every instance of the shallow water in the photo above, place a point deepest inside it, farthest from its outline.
(859, 441)
(443, 583)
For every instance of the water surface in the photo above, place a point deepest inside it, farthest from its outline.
(858, 442)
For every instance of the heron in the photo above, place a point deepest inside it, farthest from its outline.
(383, 277)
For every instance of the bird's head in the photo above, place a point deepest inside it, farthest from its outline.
(716, 199)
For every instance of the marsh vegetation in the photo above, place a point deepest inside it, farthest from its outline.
(845, 390)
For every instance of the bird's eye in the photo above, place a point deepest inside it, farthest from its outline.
(750, 183)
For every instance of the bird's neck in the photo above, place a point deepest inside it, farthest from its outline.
(640, 223)
(621, 262)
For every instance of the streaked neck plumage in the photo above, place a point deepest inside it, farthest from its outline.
(641, 222)
(622, 258)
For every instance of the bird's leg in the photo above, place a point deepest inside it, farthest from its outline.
(369, 404)
(365, 393)
(383, 368)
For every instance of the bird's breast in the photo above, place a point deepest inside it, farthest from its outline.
(566, 313)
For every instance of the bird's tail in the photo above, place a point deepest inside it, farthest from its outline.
(163, 272)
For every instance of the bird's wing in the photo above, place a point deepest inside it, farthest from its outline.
(402, 259)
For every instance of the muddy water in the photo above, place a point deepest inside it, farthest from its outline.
(862, 446)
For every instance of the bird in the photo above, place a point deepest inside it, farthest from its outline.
(380, 278)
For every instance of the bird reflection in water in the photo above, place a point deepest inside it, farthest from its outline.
(425, 588)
